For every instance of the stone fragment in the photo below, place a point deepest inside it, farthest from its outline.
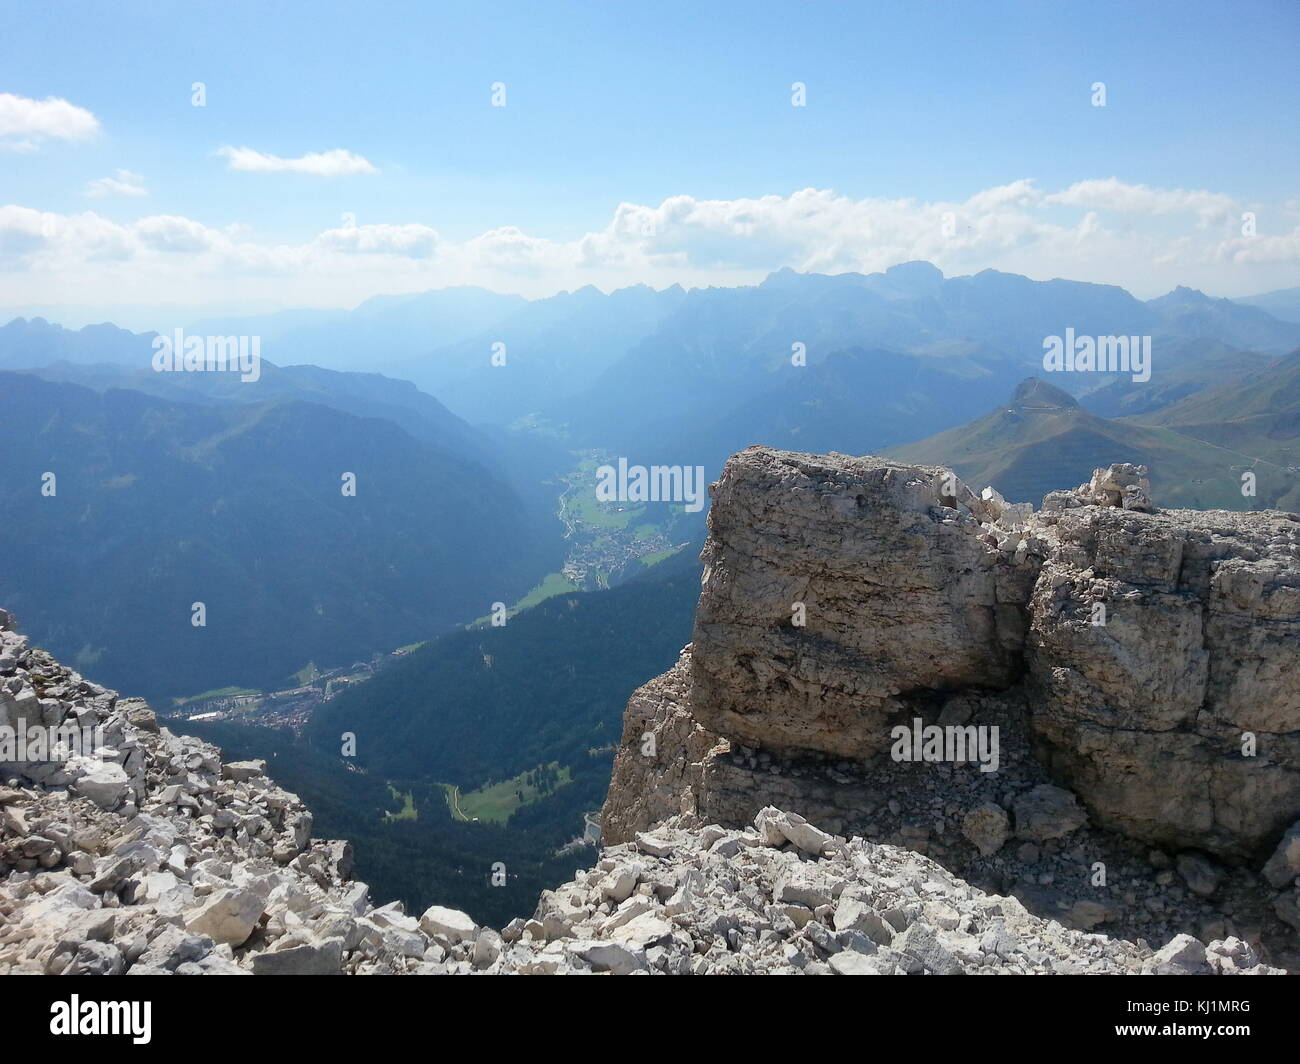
(1283, 866)
(1182, 955)
(323, 958)
(1047, 812)
(451, 924)
(986, 827)
(922, 942)
(1201, 875)
(240, 771)
(105, 784)
(229, 916)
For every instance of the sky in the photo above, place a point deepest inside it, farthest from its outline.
(342, 150)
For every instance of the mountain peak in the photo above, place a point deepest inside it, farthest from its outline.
(915, 269)
(1033, 393)
(1183, 294)
(914, 278)
(785, 275)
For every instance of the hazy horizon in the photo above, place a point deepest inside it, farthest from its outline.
(137, 318)
(532, 152)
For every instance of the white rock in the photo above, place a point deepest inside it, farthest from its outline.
(451, 924)
(105, 784)
(654, 845)
(609, 956)
(239, 771)
(850, 963)
(228, 916)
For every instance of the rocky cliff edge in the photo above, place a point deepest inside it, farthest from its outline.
(1137, 665)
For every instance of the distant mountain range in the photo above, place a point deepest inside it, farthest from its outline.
(234, 484)
(361, 394)
(1284, 304)
(26, 343)
(607, 370)
(888, 355)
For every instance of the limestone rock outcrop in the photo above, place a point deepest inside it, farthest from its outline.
(1162, 662)
(837, 590)
(658, 771)
(1146, 658)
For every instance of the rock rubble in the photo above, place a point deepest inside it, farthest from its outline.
(781, 897)
(178, 864)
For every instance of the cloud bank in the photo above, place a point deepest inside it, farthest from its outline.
(1104, 230)
(26, 124)
(335, 163)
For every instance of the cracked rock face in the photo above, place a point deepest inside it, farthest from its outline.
(1145, 658)
(1148, 714)
(1155, 647)
(899, 596)
(658, 771)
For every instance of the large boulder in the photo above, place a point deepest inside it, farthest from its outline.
(1148, 654)
(450, 924)
(104, 783)
(834, 589)
(1160, 659)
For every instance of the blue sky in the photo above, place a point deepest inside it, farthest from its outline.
(608, 104)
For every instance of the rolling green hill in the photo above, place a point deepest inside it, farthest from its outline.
(1043, 440)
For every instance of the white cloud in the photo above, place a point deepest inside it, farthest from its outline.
(26, 123)
(815, 229)
(1163, 237)
(1281, 248)
(510, 250)
(23, 230)
(122, 183)
(334, 163)
(1113, 194)
(46, 241)
(167, 232)
(415, 241)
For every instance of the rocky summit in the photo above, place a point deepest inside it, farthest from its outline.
(1135, 664)
(155, 858)
(918, 731)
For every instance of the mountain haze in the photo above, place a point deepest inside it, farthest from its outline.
(161, 504)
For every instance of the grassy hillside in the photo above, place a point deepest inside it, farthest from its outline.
(1027, 448)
